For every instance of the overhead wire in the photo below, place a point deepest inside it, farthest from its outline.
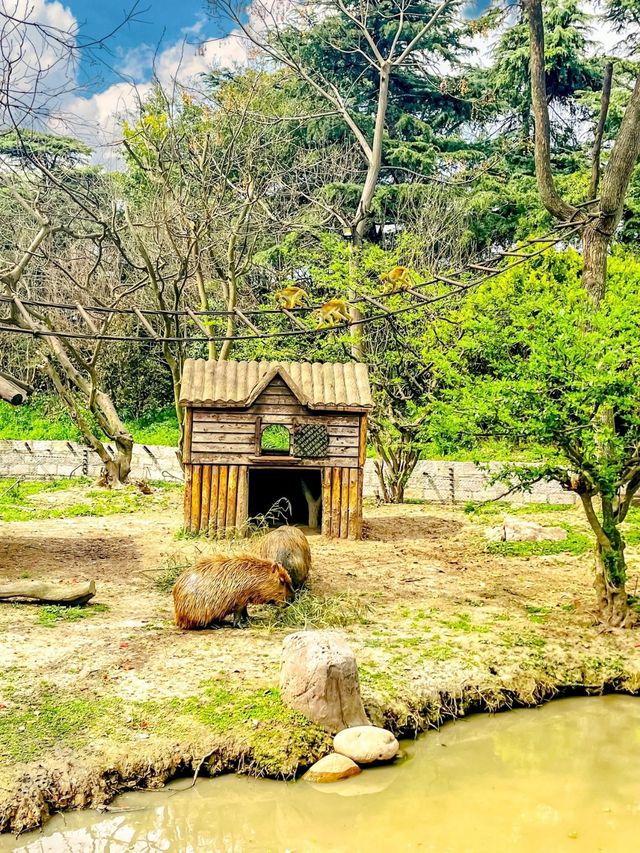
(421, 302)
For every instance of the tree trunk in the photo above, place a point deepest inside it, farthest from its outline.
(394, 467)
(609, 584)
(595, 250)
(610, 566)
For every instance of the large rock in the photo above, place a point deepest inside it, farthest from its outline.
(366, 744)
(319, 678)
(518, 530)
(332, 768)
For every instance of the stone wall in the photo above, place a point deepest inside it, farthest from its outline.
(459, 482)
(433, 480)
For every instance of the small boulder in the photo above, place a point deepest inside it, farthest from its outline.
(366, 744)
(319, 678)
(518, 530)
(332, 768)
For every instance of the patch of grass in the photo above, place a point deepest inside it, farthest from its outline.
(159, 427)
(523, 639)
(576, 543)
(50, 720)
(488, 510)
(537, 613)
(275, 738)
(463, 622)
(19, 499)
(316, 611)
(51, 614)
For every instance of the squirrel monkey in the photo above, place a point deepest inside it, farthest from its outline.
(291, 296)
(398, 278)
(332, 313)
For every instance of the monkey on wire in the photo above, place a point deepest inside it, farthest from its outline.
(333, 313)
(291, 296)
(398, 278)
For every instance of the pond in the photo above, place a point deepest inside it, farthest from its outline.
(565, 776)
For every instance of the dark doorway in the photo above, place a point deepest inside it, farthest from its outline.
(271, 488)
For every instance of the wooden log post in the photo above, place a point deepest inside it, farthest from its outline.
(213, 501)
(355, 524)
(344, 503)
(232, 501)
(336, 493)
(222, 499)
(196, 498)
(242, 500)
(326, 502)
(206, 498)
(49, 593)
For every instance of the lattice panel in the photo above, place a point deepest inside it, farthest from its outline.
(311, 441)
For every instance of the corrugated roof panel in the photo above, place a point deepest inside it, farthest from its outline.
(232, 383)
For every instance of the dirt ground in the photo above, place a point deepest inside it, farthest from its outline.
(443, 618)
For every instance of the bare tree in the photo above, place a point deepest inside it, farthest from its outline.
(207, 182)
(38, 62)
(61, 252)
(283, 36)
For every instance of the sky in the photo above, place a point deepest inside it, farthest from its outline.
(156, 25)
(168, 39)
(173, 39)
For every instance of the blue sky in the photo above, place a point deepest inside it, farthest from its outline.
(157, 22)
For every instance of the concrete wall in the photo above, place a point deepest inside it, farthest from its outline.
(432, 480)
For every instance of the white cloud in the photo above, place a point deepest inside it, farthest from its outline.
(97, 117)
(38, 39)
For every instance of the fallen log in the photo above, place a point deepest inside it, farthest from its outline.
(49, 593)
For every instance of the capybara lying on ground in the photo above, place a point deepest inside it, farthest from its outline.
(217, 586)
(289, 547)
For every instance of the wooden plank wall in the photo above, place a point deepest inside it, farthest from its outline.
(215, 499)
(342, 502)
(227, 436)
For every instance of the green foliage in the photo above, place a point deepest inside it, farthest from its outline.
(537, 364)
(44, 418)
(52, 614)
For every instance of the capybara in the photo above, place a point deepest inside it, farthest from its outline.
(217, 586)
(289, 547)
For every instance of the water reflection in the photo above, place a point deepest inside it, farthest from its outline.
(562, 777)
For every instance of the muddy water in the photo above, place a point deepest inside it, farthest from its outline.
(562, 777)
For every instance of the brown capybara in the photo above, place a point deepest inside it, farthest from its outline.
(289, 547)
(218, 586)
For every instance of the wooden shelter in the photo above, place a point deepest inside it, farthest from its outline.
(260, 434)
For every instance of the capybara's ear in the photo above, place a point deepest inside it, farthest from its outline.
(283, 575)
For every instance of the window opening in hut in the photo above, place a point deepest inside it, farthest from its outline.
(275, 440)
(286, 496)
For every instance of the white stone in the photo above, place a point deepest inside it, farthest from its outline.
(365, 744)
(519, 530)
(332, 768)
